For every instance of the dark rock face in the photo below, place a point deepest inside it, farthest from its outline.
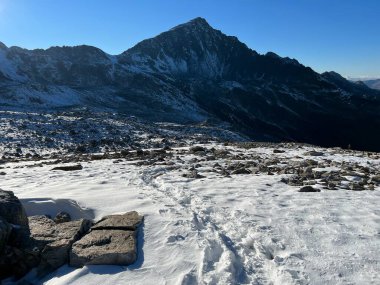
(13, 213)
(194, 73)
(14, 237)
(5, 230)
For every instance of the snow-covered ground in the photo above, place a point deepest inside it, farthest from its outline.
(234, 229)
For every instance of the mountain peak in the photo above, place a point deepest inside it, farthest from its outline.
(199, 21)
(196, 23)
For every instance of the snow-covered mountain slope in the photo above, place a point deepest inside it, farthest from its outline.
(194, 73)
(224, 228)
(374, 84)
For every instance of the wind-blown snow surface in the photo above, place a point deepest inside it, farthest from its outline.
(243, 229)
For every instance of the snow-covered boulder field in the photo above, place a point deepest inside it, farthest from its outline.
(219, 213)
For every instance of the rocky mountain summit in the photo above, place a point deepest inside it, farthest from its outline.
(194, 73)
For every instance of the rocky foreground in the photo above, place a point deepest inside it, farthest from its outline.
(45, 244)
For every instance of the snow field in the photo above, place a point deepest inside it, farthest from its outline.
(243, 229)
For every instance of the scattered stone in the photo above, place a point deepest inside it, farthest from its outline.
(371, 187)
(62, 217)
(314, 153)
(221, 153)
(2, 173)
(96, 157)
(356, 187)
(69, 167)
(278, 151)
(193, 174)
(309, 189)
(241, 171)
(376, 179)
(196, 149)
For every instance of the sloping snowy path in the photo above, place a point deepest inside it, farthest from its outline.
(244, 229)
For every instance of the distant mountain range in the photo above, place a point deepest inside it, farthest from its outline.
(194, 73)
(374, 83)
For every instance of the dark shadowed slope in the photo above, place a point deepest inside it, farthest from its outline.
(193, 73)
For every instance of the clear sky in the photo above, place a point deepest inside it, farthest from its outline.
(339, 35)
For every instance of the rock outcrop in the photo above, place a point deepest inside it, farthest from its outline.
(14, 237)
(13, 213)
(46, 244)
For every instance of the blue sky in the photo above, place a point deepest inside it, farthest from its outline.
(339, 35)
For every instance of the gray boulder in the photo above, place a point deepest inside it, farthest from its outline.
(193, 174)
(106, 247)
(62, 217)
(112, 241)
(55, 240)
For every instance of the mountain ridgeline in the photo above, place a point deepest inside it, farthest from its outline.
(194, 73)
(374, 83)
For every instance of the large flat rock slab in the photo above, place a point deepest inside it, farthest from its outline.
(128, 221)
(44, 230)
(112, 241)
(106, 247)
(55, 240)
